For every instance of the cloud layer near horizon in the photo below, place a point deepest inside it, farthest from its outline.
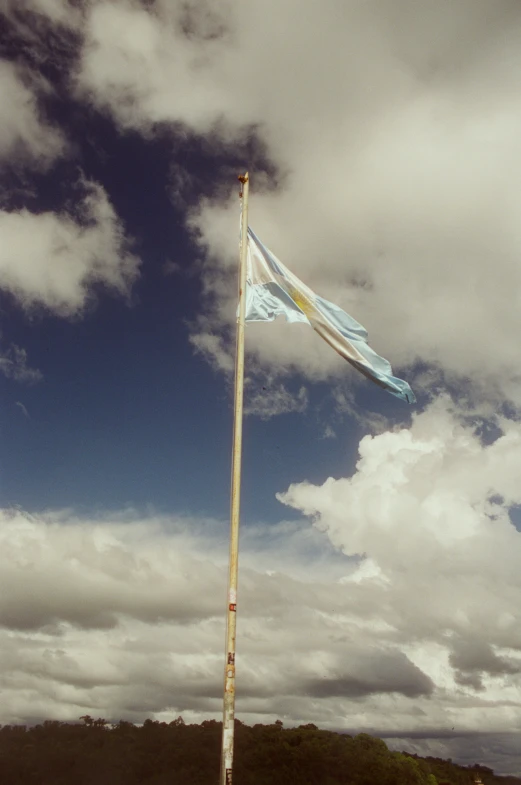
(414, 630)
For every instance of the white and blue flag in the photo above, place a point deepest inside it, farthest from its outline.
(272, 290)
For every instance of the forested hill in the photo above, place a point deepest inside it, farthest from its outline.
(95, 752)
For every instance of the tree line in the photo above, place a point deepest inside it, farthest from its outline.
(158, 753)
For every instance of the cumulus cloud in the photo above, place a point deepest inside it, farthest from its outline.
(98, 591)
(123, 72)
(126, 615)
(52, 260)
(55, 259)
(24, 135)
(28, 17)
(396, 137)
(427, 515)
(60, 11)
(396, 612)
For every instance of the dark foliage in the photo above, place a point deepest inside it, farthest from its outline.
(95, 753)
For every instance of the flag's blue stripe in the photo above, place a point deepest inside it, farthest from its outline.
(264, 302)
(378, 368)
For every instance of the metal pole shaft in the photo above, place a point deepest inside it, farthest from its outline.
(231, 620)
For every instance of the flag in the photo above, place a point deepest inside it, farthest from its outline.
(272, 290)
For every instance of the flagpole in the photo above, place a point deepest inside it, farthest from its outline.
(231, 613)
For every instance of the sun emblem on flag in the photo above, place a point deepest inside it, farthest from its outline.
(305, 304)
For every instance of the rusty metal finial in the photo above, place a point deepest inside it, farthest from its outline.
(243, 178)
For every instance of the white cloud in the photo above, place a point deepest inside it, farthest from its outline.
(397, 135)
(24, 135)
(412, 631)
(58, 12)
(50, 259)
(125, 618)
(53, 260)
(127, 49)
(212, 347)
(427, 510)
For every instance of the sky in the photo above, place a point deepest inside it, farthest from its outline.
(380, 543)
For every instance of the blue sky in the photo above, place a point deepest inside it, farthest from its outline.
(378, 555)
(127, 414)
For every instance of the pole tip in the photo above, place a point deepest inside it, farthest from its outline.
(243, 178)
